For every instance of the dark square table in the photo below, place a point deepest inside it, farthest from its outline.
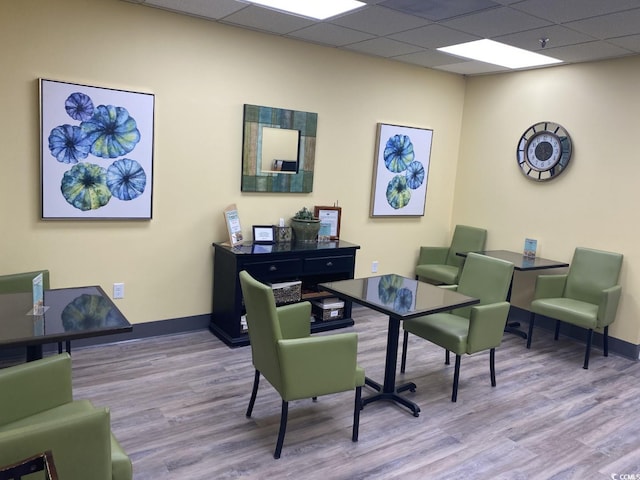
(401, 299)
(521, 264)
(69, 313)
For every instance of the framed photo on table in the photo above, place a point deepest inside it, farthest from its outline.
(263, 234)
(331, 216)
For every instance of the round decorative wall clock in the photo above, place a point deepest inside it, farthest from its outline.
(544, 151)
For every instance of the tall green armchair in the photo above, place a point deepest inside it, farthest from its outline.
(442, 265)
(471, 329)
(38, 413)
(297, 365)
(587, 296)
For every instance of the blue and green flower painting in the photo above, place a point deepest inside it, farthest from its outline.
(97, 152)
(402, 168)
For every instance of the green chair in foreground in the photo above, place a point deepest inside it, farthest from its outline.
(442, 265)
(38, 414)
(297, 365)
(586, 296)
(469, 329)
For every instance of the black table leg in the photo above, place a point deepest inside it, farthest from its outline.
(388, 390)
(512, 327)
(34, 352)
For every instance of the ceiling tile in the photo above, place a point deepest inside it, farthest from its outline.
(434, 36)
(437, 10)
(569, 10)
(500, 21)
(329, 34)
(379, 21)
(557, 37)
(587, 52)
(609, 26)
(384, 47)
(630, 42)
(201, 8)
(425, 59)
(267, 20)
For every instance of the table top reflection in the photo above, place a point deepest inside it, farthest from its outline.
(397, 296)
(69, 313)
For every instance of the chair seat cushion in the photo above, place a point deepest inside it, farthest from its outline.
(444, 329)
(440, 273)
(121, 468)
(568, 310)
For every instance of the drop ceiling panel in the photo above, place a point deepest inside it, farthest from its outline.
(411, 30)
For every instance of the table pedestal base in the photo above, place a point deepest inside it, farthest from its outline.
(392, 396)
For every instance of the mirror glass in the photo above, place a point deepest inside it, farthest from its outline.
(278, 150)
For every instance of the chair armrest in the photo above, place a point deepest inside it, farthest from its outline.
(486, 326)
(295, 320)
(453, 288)
(33, 387)
(433, 255)
(608, 305)
(549, 286)
(80, 444)
(318, 365)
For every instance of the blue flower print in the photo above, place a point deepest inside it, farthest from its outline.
(79, 106)
(398, 193)
(84, 187)
(126, 179)
(398, 153)
(112, 131)
(403, 300)
(415, 175)
(68, 144)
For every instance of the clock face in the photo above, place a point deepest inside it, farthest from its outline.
(544, 151)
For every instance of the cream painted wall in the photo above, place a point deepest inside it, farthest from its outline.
(594, 202)
(201, 74)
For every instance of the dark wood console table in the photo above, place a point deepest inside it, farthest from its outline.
(311, 263)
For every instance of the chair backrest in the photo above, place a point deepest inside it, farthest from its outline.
(264, 327)
(486, 278)
(592, 271)
(22, 282)
(465, 239)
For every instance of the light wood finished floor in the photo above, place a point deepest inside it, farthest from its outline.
(178, 407)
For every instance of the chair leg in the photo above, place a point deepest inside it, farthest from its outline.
(283, 429)
(254, 392)
(532, 318)
(605, 341)
(446, 357)
(456, 377)
(356, 414)
(403, 363)
(59, 347)
(557, 334)
(492, 366)
(588, 350)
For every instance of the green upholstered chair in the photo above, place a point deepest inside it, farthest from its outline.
(586, 296)
(470, 329)
(297, 365)
(442, 265)
(23, 282)
(38, 413)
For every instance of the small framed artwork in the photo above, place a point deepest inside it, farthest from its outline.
(96, 151)
(263, 234)
(331, 216)
(401, 171)
(232, 221)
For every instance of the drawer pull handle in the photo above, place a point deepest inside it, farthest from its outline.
(273, 268)
(329, 264)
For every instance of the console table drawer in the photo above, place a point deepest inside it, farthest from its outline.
(275, 268)
(343, 263)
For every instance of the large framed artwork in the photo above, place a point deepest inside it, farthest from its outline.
(96, 152)
(278, 150)
(401, 171)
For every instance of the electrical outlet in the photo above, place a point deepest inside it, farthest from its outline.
(374, 266)
(118, 290)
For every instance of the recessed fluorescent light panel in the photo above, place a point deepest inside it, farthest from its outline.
(318, 9)
(498, 53)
